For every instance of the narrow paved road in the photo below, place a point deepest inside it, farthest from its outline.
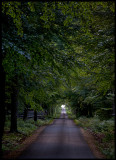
(60, 140)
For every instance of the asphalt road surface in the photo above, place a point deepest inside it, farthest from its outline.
(60, 140)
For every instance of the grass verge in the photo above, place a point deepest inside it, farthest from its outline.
(13, 141)
(103, 132)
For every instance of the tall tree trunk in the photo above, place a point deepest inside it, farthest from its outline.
(76, 112)
(35, 115)
(90, 114)
(52, 111)
(113, 108)
(55, 111)
(2, 102)
(25, 113)
(14, 105)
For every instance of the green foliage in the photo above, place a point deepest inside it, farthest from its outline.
(13, 9)
(105, 128)
(7, 123)
(70, 113)
(43, 122)
(12, 141)
(26, 128)
(104, 113)
(60, 51)
(96, 124)
(45, 57)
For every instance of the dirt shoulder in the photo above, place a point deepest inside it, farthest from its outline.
(91, 142)
(89, 138)
(14, 154)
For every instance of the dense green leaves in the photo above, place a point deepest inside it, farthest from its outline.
(56, 53)
(65, 51)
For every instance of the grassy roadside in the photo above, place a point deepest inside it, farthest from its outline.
(102, 131)
(13, 141)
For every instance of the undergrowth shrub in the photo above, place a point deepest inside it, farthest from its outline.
(105, 127)
(104, 113)
(25, 128)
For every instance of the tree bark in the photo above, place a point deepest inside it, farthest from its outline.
(35, 115)
(90, 114)
(52, 111)
(76, 112)
(2, 102)
(113, 108)
(14, 105)
(25, 113)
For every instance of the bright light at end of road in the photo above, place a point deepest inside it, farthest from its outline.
(62, 106)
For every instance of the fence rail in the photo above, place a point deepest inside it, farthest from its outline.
(40, 115)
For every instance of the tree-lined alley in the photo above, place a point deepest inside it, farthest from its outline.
(57, 53)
